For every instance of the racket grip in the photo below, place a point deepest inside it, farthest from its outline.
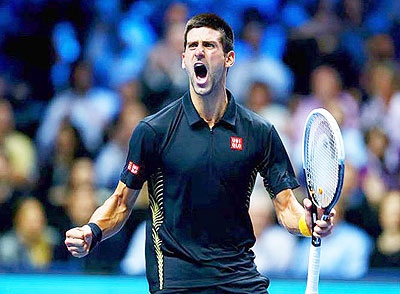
(313, 270)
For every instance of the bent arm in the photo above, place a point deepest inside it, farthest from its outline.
(288, 210)
(112, 215)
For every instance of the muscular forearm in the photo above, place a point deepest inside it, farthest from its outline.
(288, 211)
(112, 215)
(109, 218)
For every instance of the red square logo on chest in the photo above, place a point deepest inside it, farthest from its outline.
(236, 143)
(133, 168)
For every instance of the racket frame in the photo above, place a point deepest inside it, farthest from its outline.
(341, 159)
(315, 248)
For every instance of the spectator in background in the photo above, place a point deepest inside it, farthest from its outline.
(387, 251)
(8, 195)
(260, 99)
(380, 48)
(19, 149)
(113, 154)
(27, 110)
(55, 168)
(30, 243)
(163, 76)
(315, 41)
(379, 158)
(81, 173)
(358, 208)
(89, 109)
(344, 254)
(354, 143)
(383, 109)
(130, 92)
(253, 64)
(374, 187)
(324, 26)
(176, 13)
(274, 247)
(327, 92)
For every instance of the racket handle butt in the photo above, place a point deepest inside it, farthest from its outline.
(313, 270)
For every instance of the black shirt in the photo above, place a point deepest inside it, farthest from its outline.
(200, 182)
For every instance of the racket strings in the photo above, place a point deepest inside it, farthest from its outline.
(322, 161)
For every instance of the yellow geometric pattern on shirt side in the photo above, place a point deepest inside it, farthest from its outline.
(252, 182)
(157, 214)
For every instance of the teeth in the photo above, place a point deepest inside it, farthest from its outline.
(198, 66)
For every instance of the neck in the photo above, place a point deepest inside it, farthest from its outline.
(210, 107)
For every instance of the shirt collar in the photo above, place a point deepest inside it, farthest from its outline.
(193, 117)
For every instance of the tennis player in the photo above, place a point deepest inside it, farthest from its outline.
(200, 156)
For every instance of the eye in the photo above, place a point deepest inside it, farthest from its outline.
(192, 45)
(209, 45)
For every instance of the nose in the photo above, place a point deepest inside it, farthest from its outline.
(199, 51)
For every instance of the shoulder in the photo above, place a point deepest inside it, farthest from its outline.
(162, 119)
(18, 138)
(255, 120)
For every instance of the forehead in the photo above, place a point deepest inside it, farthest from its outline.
(203, 34)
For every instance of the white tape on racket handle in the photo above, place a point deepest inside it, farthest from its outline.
(313, 270)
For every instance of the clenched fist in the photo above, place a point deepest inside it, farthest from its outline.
(78, 241)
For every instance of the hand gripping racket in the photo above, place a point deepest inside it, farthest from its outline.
(323, 163)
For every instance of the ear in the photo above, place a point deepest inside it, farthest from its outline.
(230, 59)
(183, 60)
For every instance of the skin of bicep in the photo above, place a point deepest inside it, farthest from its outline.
(114, 212)
(288, 210)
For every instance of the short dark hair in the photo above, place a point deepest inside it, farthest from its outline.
(213, 21)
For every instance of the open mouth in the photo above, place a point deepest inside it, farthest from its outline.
(200, 71)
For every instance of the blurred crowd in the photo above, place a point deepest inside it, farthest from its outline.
(77, 76)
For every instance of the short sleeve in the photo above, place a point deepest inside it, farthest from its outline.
(141, 157)
(276, 168)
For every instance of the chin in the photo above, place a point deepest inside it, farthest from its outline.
(202, 91)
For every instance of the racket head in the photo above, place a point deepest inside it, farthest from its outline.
(323, 159)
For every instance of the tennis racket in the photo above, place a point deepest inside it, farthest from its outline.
(323, 163)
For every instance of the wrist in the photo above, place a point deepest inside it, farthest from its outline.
(97, 234)
(303, 228)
